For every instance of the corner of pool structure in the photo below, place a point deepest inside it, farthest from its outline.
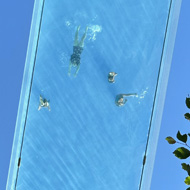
(93, 93)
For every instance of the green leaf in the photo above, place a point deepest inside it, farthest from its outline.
(182, 138)
(187, 116)
(187, 180)
(188, 188)
(170, 140)
(186, 167)
(188, 102)
(182, 153)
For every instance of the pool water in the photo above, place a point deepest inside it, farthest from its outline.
(87, 142)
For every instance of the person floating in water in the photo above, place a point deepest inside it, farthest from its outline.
(77, 50)
(111, 77)
(44, 103)
(120, 99)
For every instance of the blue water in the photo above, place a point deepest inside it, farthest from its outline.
(86, 142)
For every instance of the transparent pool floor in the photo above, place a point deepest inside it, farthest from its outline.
(86, 141)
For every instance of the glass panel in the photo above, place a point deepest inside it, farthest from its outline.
(87, 141)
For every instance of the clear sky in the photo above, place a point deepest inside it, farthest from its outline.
(15, 19)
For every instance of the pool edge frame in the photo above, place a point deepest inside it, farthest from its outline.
(25, 90)
(150, 154)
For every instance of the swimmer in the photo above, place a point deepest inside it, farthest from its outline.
(77, 50)
(111, 77)
(44, 103)
(120, 99)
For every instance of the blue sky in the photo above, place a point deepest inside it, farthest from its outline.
(15, 19)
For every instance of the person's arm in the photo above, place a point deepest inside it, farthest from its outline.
(132, 94)
(70, 65)
(41, 102)
(78, 67)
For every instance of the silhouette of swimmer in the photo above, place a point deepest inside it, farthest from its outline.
(120, 99)
(77, 50)
(44, 103)
(111, 77)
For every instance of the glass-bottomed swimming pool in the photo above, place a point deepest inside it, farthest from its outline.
(84, 141)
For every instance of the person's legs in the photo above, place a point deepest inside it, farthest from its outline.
(81, 44)
(77, 70)
(76, 36)
(70, 65)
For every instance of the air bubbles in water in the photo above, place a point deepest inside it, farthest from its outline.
(67, 23)
(93, 30)
(142, 95)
